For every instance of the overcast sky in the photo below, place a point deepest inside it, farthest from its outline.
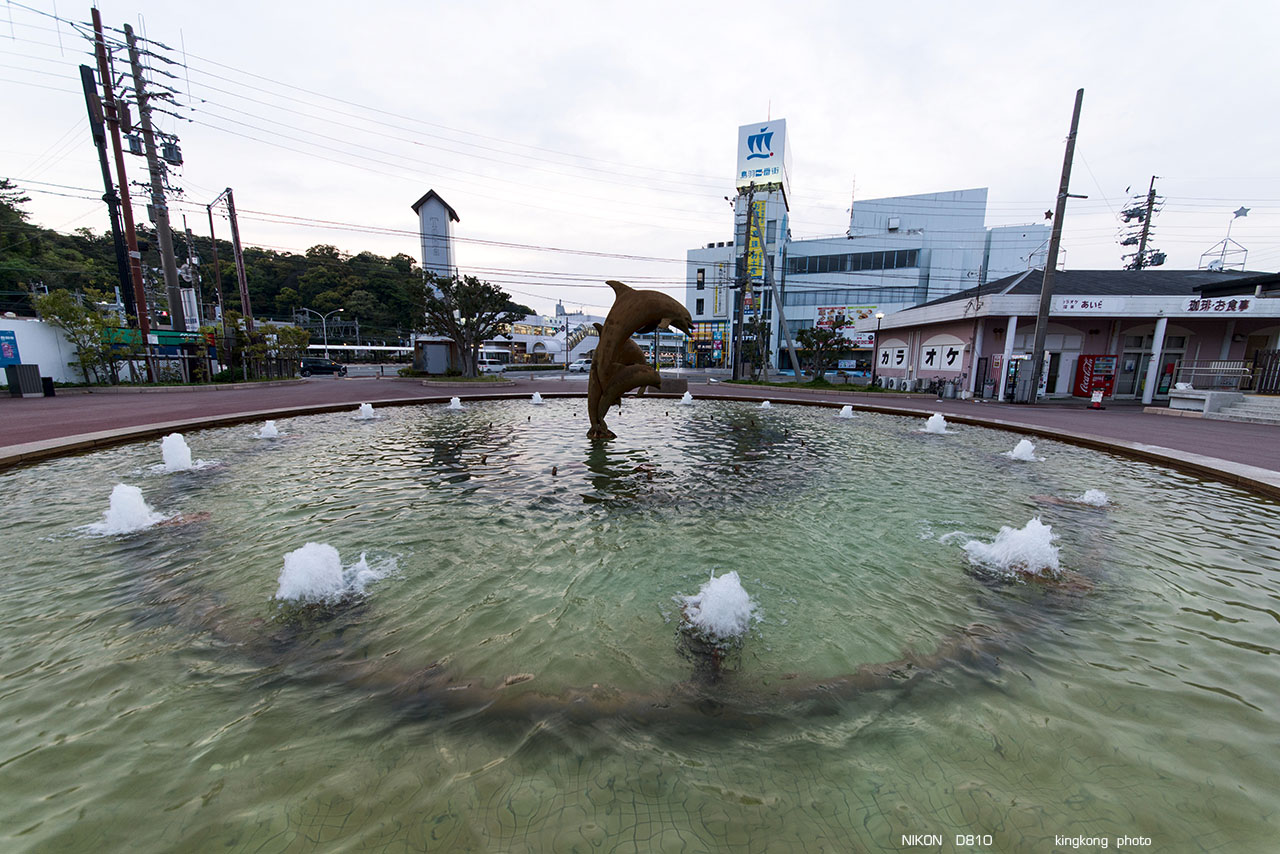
(583, 141)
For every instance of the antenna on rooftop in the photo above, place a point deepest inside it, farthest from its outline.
(1226, 254)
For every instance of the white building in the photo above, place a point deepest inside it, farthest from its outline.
(537, 339)
(898, 252)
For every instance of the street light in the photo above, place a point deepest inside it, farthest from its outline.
(324, 325)
(875, 352)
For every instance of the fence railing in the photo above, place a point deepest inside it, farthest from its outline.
(1215, 374)
(1266, 372)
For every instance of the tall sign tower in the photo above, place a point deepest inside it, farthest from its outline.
(763, 181)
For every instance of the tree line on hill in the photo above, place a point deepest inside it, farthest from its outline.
(386, 295)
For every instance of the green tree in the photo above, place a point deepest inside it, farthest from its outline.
(86, 328)
(287, 300)
(291, 343)
(328, 301)
(758, 331)
(363, 306)
(20, 243)
(467, 311)
(824, 345)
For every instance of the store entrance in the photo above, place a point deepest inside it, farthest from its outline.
(1131, 373)
(1131, 380)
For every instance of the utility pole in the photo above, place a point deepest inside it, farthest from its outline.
(217, 272)
(193, 269)
(160, 210)
(245, 308)
(777, 301)
(1055, 238)
(743, 283)
(94, 104)
(112, 115)
(1141, 260)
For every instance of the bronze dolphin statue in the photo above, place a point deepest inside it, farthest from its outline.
(618, 365)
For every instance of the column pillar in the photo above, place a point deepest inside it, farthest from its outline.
(1153, 366)
(1011, 329)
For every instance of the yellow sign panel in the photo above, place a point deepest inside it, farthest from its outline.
(755, 251)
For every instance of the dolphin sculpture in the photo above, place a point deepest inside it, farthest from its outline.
(618, 365)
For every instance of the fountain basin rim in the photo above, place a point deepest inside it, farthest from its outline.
(1255, 479)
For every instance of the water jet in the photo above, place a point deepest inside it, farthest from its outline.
(936, 423)
(176, 454)
(127, 512)
(1024, 451)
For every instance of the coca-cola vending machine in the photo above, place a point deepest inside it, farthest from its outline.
(1095, 373)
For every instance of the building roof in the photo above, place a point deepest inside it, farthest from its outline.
(1121, 283)
(432, 194)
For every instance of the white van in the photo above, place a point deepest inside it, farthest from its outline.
(489, 366)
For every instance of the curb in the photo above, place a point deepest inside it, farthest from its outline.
(1253, 478)
(468, 386)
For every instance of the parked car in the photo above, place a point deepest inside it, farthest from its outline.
(307, 367)
(489, 366)
(581, 366)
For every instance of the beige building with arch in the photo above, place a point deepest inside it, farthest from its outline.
(1135, 334)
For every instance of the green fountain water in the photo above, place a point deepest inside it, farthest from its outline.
(156, 696)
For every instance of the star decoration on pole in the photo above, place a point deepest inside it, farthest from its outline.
(1242, 211)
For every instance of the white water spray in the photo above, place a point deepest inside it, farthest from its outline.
(1024, 451)
(268, 431)
(1017, 552)
(127, 512)
(764, 404)
(454, 403)
(177, 456)
(721, 610)
(935, 424)
(686, 400)
(536, 399)
(1093, 497)
(846, 411)
(365, 412)
(314, 573)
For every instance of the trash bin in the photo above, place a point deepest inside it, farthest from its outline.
(24, 380)
(46, 383)
(988, 388)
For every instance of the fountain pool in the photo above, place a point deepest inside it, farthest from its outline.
(158, 697)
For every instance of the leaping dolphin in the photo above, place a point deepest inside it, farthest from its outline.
(618, 365)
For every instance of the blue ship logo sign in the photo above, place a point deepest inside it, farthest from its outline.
(758, 145)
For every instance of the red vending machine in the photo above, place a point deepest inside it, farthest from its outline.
(1094, 373)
